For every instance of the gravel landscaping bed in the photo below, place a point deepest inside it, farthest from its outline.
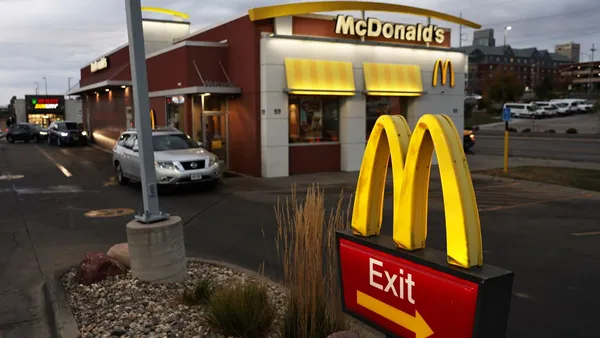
(123, 306)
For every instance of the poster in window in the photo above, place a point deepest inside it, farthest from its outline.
(311, 118)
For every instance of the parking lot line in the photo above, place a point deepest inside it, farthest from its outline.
(58, 165)
(590, 233)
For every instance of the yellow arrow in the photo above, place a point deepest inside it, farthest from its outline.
(415, 323)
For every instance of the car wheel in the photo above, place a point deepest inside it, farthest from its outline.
(121, 179)
(10, 139)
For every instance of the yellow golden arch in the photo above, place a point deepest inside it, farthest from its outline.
(152, 118)
(301, 8)
(166, 11)
(447, 72)
(411, 162)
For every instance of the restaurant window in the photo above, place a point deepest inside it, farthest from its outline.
(384, 105)
(313, 119)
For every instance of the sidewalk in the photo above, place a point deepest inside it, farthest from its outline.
(347, 180)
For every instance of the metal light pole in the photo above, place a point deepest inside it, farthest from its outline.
(593, 49)
(141, 102)
(69, 84)
(45, 84)
(37, 88)
(506, 29)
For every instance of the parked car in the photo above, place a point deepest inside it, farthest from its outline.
(468, 140)
(562, 108)
(178, 159)
(572, 104)
(585, 106)
(529, 110)
(25, 132)
(64, 132)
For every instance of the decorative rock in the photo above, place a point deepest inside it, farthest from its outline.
(96, 266)
(120, 252)
(343, 334)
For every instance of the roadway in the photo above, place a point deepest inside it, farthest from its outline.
(548, 237)
(555, 148)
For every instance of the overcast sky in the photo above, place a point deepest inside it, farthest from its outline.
(55, 38)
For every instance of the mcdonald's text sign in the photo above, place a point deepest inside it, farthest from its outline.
(396, 284)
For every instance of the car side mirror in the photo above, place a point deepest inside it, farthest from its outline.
(200, 144)
(135, 148)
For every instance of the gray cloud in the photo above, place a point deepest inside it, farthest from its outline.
(56, 38)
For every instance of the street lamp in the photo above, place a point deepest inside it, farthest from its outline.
(69, 84)
(37, 88)
(506, 29)
(45, 84)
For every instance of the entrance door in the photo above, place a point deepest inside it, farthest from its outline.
(215, 135)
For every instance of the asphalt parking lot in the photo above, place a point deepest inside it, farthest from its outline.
(548, 237)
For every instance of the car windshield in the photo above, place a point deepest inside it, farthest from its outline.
(543, 104)
(562, 104)
(35, 126)
(172, 142)
(68, 126)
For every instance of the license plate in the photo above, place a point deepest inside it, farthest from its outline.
(76, 138)
(196, 177)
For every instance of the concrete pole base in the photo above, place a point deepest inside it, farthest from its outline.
(157, 250)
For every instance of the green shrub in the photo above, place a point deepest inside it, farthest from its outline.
(550, 131)
(201, 293)
(571, 131)
(526, 130)
(241, 310)
(512, 129)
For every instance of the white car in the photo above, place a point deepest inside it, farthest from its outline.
(585, 106)
(562, 108)
(178, 159)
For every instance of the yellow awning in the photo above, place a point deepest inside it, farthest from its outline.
(319, 77)
(392, 79)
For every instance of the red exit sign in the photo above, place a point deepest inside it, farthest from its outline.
(417, 294)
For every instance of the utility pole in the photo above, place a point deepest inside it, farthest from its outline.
(593, 49)
(461, 34)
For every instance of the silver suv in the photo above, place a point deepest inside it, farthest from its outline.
(178, 159)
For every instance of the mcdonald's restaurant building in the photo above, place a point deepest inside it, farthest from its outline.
(284, 91)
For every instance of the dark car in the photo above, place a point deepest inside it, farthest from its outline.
(468, 140)
(25, 132)
(63, 133)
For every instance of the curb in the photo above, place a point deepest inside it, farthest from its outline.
(60, 318)
(562, 188)
(63, 324)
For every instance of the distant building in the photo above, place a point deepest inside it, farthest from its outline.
(570, 50)
(43, 109)
(582, 77)
(529, 64)
(484, 37)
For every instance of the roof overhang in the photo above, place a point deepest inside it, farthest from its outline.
(96, 86)
(301, 8)
(197, 90)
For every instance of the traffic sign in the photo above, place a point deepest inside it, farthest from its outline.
(417, 294)
(506, 114)
(396, 284)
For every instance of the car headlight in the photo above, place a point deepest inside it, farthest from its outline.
(43, 133)
(166, 165)
(63, 134)
(84, 133)
(213, 160)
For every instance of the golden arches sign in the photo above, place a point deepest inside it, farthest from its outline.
(447, 72)
(152, 118)
(411, 161)
(270, 12)
(166, 11)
